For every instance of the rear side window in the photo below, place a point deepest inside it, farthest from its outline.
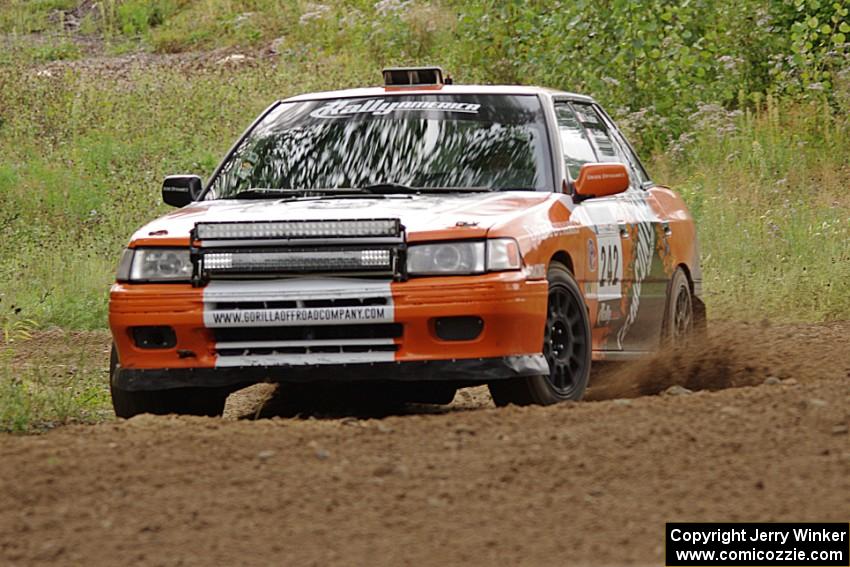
(605, 142)
(627, 150)
(575, 144)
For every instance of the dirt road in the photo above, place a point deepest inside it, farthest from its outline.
(586, 483)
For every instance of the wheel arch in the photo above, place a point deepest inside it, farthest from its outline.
(685, 268)
(564, 258)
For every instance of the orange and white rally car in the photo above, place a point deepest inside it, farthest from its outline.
(423, 236)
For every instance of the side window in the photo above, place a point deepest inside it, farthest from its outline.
(627, 149)
(607, 148)
(574, 142)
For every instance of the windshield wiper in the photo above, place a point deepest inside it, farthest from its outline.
(264, 193)
(388, 188)
(385, 188)
(374, 189)
(267, 193)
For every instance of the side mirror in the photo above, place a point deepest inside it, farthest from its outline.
(602, 179)
(180, 190)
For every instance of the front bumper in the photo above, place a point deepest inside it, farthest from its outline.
(472, 371)
(512, 309)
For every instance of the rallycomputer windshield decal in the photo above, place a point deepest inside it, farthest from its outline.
(379, 107)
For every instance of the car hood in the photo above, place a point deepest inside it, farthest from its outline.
(425, 217)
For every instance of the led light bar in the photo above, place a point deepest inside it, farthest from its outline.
(301, 261)
(356, 228)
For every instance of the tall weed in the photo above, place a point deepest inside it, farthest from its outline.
(745, 111)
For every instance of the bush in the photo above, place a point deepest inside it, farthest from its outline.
(743, 103)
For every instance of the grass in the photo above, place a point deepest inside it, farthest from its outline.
(768, 190)
(29, 16)
(82, 162)
(40, 390)
(83, 159)
(82, 154)
(173, 26)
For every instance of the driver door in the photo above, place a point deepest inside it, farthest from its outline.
(643, 238)
(606, 228)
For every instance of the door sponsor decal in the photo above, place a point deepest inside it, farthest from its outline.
(591, 255)
(641, 262)
(605, 314)
(606, 253)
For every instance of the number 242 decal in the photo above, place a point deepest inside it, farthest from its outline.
(610, 252)
(609, 263)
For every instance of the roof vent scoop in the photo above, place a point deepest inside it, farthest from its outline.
(415, 77)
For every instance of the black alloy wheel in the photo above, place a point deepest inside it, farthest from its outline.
(566, 347)
(679, 317)
(565, 344)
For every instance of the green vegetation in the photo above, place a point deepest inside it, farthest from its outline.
(39, 390)
(654, 61)
(769, 191)
(743, 105)
(81, 169)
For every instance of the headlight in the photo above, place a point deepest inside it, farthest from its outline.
(155, 265)
(446, 258)
(462, 258)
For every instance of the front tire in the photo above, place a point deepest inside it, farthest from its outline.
(183, 401)
(566, 346)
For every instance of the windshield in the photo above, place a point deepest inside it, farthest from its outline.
(421, 142)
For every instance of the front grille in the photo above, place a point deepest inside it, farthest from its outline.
(363, 302)
(308, 340)
(314, 349)
(306, 333)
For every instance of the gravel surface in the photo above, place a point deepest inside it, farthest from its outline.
(580, 483)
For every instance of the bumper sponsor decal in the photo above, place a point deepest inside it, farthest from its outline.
(220, 312)
(317, 315)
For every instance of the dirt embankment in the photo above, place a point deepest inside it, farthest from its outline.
(583, 483)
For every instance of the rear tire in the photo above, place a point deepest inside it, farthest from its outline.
(182, 401)
(679, 315)
(566, 346)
